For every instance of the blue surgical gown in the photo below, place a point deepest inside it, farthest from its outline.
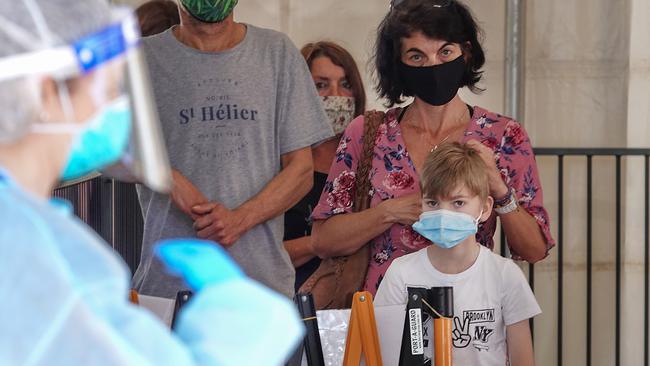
(63, 301)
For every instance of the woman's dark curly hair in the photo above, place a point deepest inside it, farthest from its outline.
(453, 23)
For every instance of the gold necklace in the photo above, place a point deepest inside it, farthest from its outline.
(435, 146)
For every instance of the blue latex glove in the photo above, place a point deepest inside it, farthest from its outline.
(199, 262)
(234, 321)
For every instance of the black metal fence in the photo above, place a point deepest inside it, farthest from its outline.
(112, 209)
(617, 155)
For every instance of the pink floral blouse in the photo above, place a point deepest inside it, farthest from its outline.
(393, 175)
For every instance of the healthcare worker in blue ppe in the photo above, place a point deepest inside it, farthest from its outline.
(64, 112)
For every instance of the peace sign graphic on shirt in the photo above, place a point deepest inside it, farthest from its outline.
(460, 336)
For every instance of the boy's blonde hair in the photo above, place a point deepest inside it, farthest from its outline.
(451, 166)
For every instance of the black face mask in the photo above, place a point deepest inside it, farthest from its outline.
(436, 85)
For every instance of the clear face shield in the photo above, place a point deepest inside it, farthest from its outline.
(124, 135)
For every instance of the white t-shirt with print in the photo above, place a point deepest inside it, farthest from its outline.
(490, 295)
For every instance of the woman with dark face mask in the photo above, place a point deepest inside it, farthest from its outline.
(427, 50)
(338, 81)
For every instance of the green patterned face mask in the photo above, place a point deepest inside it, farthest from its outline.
(209, 11)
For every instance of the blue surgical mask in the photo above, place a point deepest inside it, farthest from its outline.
(101, 141)
(446, 228)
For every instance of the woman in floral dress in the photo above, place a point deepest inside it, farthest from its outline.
(428, 49)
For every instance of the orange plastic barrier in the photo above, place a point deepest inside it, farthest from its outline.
(442, 338)
(362, 333)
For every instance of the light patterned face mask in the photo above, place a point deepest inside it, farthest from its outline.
(340, 112)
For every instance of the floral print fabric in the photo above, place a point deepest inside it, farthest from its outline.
(339, 111)
(393, 175)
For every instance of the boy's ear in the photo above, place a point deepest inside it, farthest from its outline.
(487, 209)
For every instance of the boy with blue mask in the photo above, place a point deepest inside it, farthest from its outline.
(492, 299)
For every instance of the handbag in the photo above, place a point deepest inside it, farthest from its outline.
(335, 281)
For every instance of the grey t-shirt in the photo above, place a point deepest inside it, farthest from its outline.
(227, 118)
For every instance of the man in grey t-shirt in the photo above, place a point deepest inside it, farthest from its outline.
(239, 113)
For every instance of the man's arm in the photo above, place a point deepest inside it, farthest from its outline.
(226, 226)
(185, 194)
(284, 191)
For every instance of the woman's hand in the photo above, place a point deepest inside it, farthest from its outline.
(522, 230)
(498, 188)
(404, 210)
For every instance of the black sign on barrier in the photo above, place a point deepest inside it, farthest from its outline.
(423, 306)
(415, 338)
(442, 299)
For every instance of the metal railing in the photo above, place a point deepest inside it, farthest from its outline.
(112, 209)
(589, 154)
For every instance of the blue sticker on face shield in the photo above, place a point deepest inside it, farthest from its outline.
(101, 47)
(78, 58)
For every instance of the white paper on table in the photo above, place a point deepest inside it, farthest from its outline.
(333, 329)
(162, 308)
